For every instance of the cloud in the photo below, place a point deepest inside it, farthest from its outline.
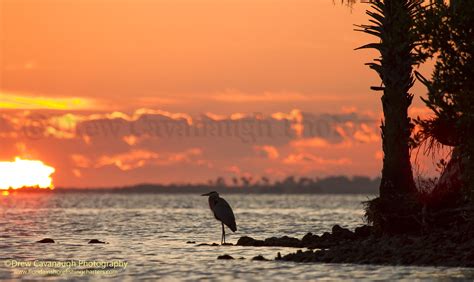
(88, 145)
(366, 134)
(348, 109)
(267, 151)
(174, 116)
(134, 159)
(130, 140)
(127, 161)
(315, 142)
(5, 125)
(306, 158)
(314, 130)
(342, 130)
(233, 169)
(77, 173)
(296, 119)
(81, 161)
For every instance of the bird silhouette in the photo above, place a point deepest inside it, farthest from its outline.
(222, 212)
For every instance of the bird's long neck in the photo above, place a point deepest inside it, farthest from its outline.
(213, 200)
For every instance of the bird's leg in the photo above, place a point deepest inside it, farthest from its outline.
(223, 234)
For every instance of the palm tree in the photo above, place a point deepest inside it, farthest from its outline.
(393, 22)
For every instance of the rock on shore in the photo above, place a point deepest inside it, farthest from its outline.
(226, 257)
(46, 241)
(284, 241)
(96, 241)
(365, 246)
(309, 240)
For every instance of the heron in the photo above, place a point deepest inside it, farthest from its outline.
(222, 212)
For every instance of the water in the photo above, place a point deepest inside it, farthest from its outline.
(150, 232)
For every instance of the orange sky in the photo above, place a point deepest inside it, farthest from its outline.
(192, 57)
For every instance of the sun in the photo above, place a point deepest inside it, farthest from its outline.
(25, 173)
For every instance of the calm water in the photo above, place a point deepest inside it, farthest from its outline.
(150, 232)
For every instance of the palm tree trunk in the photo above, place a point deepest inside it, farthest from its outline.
(397, 176)
(393, 22)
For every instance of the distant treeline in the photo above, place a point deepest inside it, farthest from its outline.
(290, 185)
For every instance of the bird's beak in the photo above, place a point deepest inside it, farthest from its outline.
(207, 194)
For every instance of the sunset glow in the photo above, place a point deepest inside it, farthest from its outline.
(14, 101)
(188, 91)
(25, 173)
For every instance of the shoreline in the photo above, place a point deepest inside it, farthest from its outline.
(450, 248)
